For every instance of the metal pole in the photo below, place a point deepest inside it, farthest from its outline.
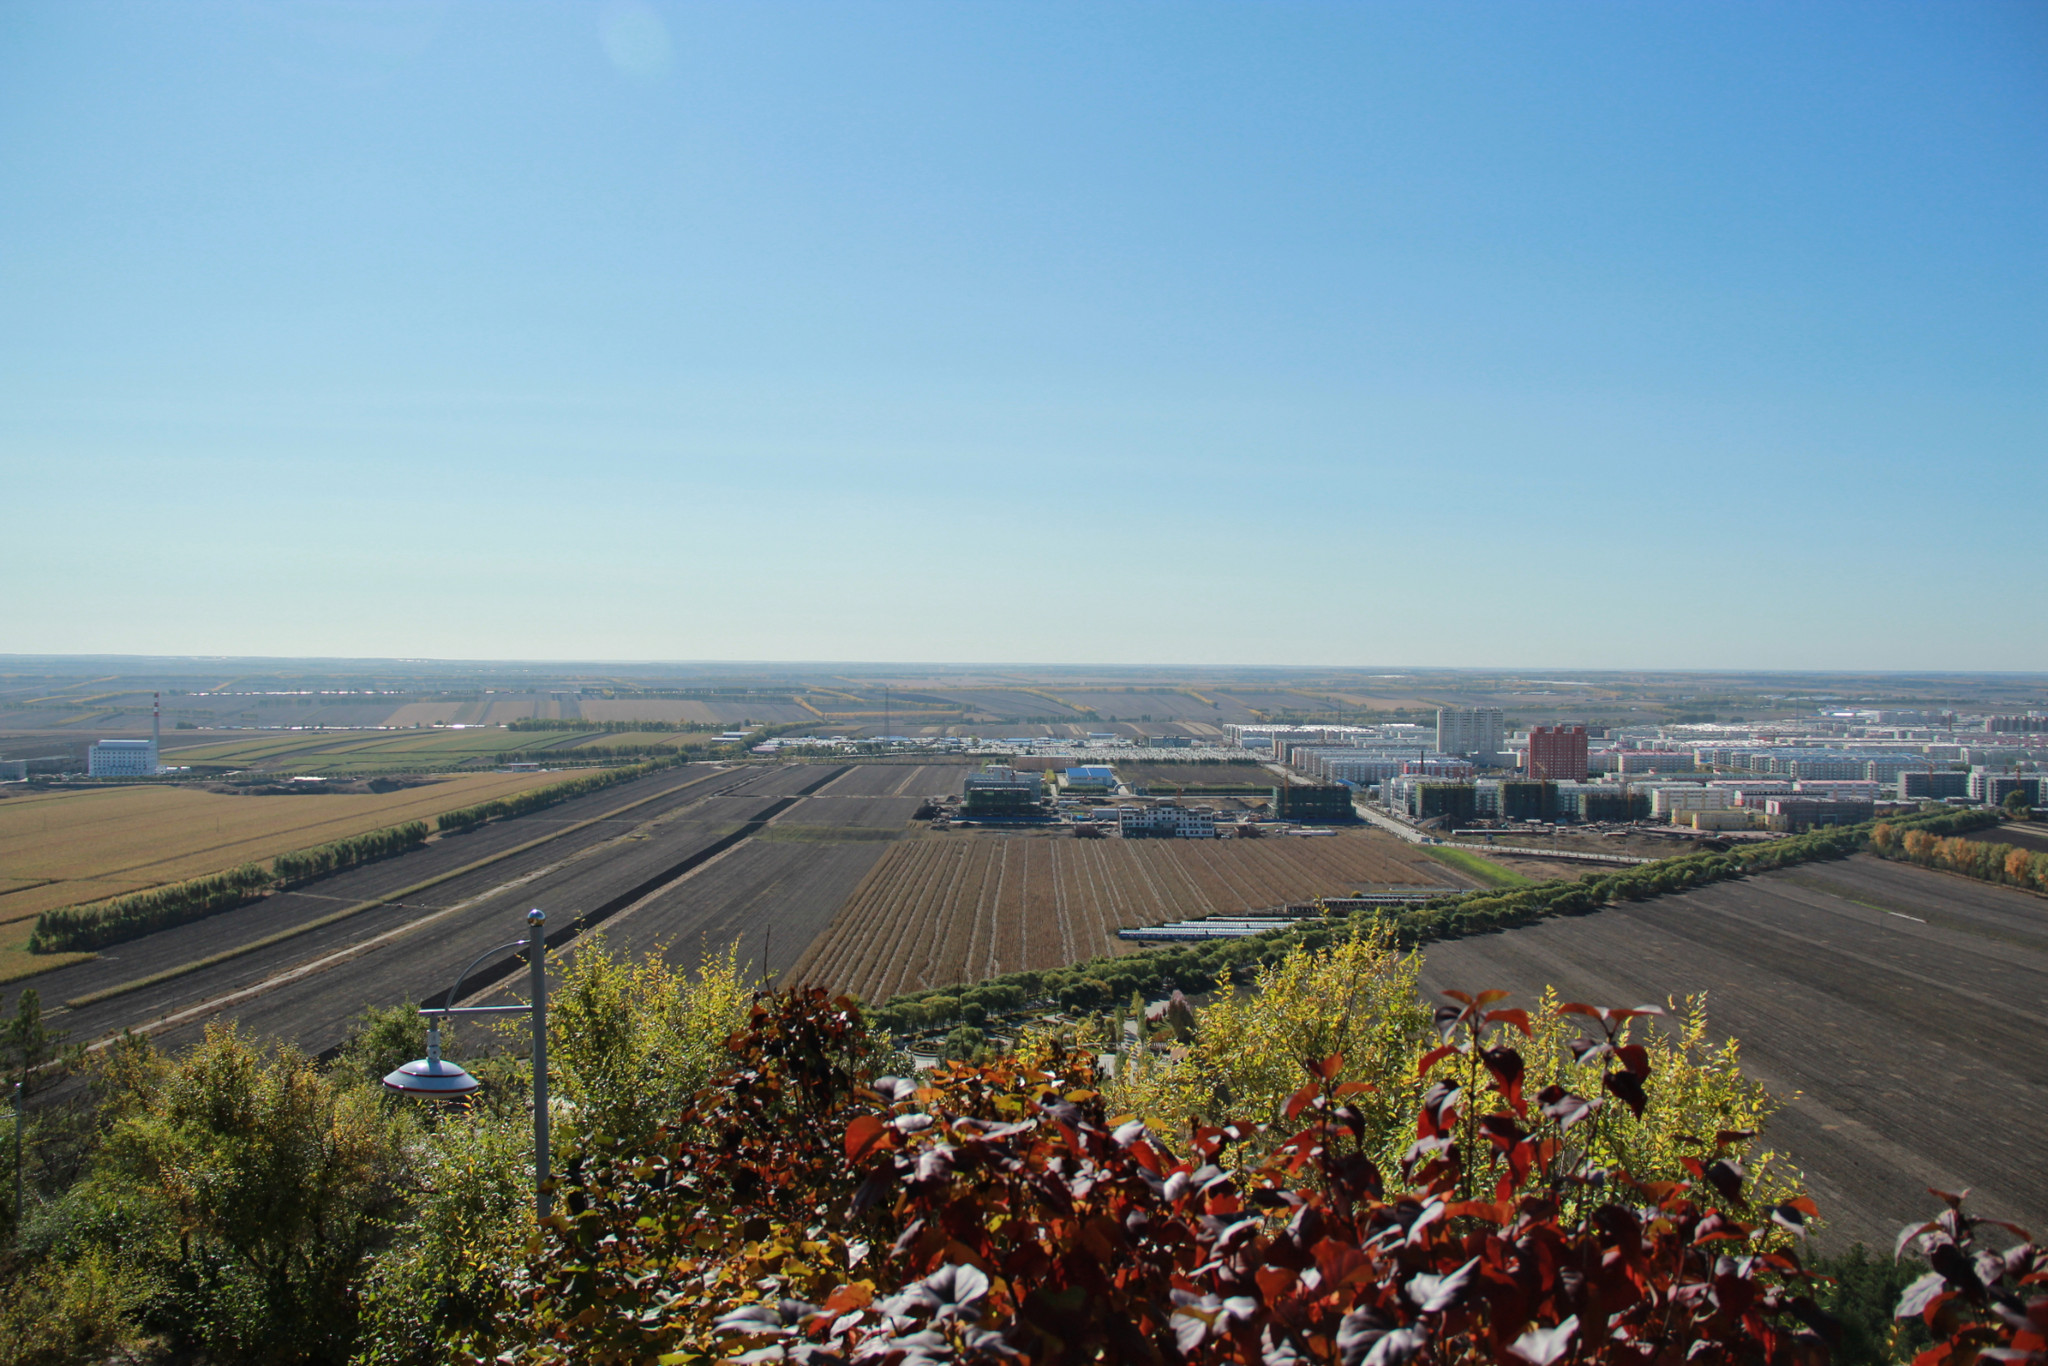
(20, 1134)
(537, 947)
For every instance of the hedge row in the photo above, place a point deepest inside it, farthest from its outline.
(2006, 864)
(76, 928)
(539, 798)
(1201, 966)
(347, 853)
(683, 727)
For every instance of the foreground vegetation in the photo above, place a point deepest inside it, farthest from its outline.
(1318, 1170)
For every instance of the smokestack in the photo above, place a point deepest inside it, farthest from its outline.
(156, 730)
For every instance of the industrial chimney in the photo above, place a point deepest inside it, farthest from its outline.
(156, 732)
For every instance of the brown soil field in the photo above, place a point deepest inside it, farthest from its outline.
(2029, 835)
(1901, 1015)
(951, 908)
(79, 846)
(1003, 702)
(899, 780)
(1195, 775)
(1160, 707)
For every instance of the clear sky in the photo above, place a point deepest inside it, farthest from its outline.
(1645, 334)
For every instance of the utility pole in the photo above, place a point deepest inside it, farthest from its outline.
(20, 1133)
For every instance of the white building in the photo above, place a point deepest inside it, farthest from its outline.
(122, 759)
(1167, 821)
(1667, 803)
(1475, 732)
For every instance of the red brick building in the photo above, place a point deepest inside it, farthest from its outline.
(1557, 753)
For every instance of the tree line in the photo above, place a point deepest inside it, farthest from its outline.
(73, 929)
(683, 727)
(2006, 864)
(347, 853)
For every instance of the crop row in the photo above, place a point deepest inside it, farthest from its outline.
(1194, 967)
(952, 909)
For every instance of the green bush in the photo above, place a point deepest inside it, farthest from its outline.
(76, 928)
(347, 853)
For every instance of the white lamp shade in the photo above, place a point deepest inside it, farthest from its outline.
(434, 1077)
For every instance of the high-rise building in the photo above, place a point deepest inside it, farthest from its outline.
(1557, 753)
(1471, 731)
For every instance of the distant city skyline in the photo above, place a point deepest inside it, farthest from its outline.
(1679, 337)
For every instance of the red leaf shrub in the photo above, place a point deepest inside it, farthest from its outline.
(808, 1211)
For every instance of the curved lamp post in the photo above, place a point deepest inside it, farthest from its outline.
(435, 1078)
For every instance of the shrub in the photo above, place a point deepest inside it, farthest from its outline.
(807, 1210)
(76, 928)
(347, 853)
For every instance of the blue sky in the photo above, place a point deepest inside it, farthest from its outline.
(1651, 335)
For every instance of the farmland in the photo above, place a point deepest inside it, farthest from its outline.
(330, 752)
(958, 907)
(65, 847)
(1898, 1012)
(1161, 775)
(691, 859)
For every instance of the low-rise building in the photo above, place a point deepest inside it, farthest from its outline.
(1088, 778)
(1729, 819)
(1794, 814)
(1166, 820)
(122, 759)
(1669, 804)
(1314, 802)
(1933, 784)
(1652, 761)
(999, 790)
(1993, 788)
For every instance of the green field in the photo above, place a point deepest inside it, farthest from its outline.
(1485, 869)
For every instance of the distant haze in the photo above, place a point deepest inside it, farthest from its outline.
(1590, 336)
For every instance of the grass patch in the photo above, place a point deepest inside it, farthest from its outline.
(1485, 869)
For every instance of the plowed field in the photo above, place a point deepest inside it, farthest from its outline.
(958, 908)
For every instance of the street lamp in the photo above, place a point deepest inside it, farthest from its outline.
(438, 1079)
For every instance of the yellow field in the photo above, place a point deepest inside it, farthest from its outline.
(61, 848)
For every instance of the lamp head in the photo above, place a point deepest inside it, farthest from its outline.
(431, 1076)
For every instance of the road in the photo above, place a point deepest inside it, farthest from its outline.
(1900, 1014)
(307, 989)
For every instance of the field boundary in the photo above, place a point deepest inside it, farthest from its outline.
(282, 936)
